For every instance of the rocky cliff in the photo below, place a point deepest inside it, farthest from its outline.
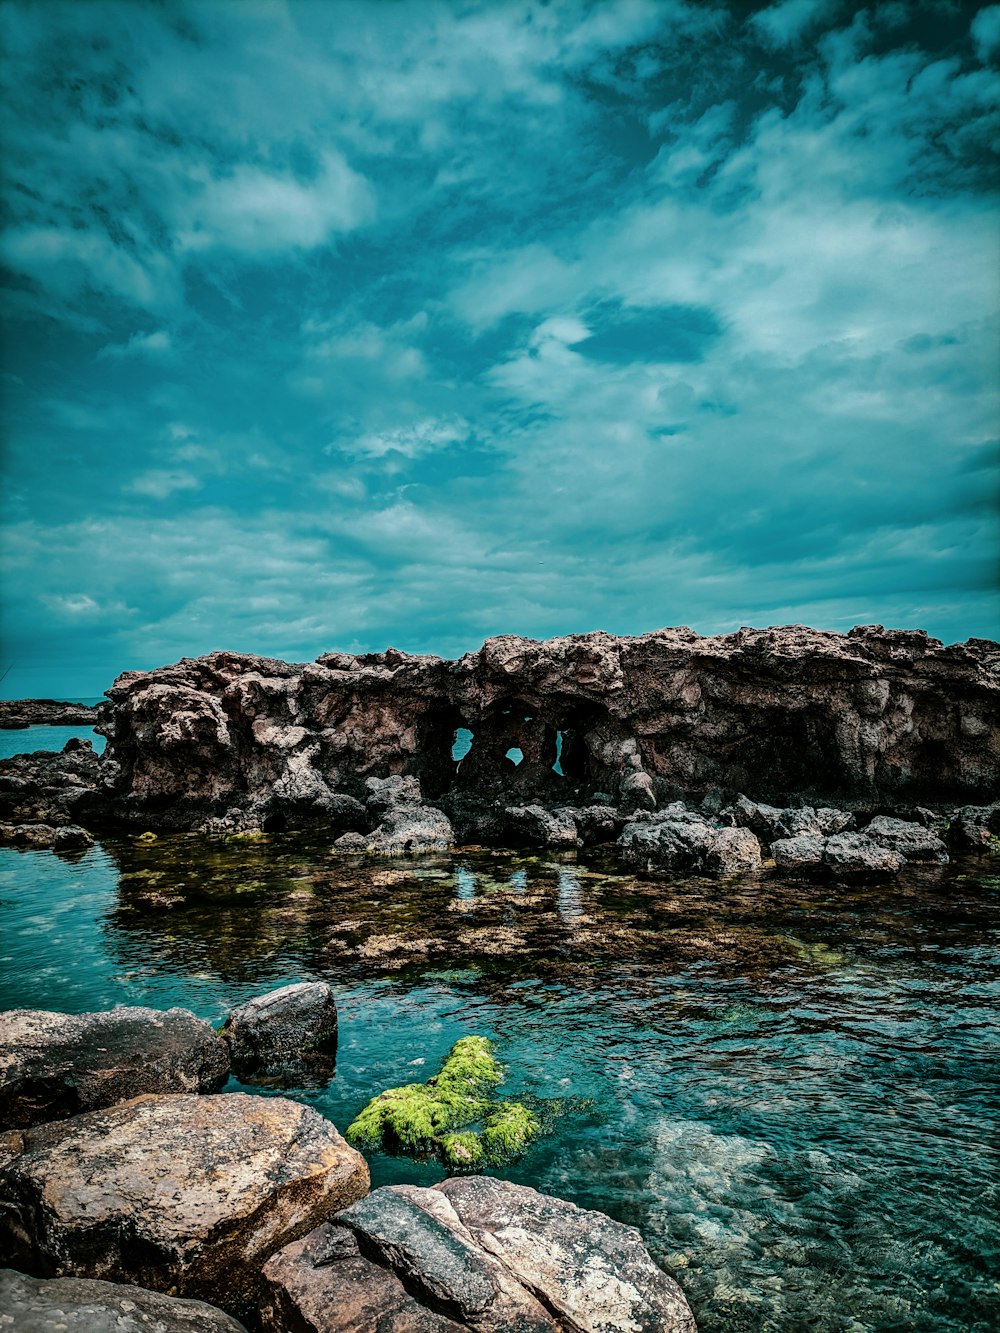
(872, 715)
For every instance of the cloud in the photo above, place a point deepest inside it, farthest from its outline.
(156, 344)
(159, 483)
(985, 32)
(784, 24)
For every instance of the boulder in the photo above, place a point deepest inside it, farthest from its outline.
(534, 826)
(82, 1305)
(853, 856)
(913, 841)
(471, 1252)
(637, 792)
(56, 1065)
(188, 1195)
(60, 837)
(595, 823)
(680, 842)
(290, 1031)
(800, 855)
(975, 828)
(406, 823)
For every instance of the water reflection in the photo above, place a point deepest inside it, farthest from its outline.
(793, 1092)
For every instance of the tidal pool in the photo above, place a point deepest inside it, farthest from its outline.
(792, 1091)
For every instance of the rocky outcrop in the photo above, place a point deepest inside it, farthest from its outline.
(45, 791)
(57, 1065)
(475, 1253)
(680, 842)
(82, 1305)
(16, 714)
(783, 713)
(183, 1194)
(288, 1033)
(66, 838)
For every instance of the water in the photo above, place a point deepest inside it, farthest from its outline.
(28, 739)
(794, 1091)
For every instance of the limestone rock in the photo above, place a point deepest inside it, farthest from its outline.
(534, 826)
(733, 851)
(680, 842)
(800, 855)
(286, 1032)
(82, 1305)
(912, 841)
(470, 1253)
(56, 1065)
(177, 1193)
(853, 856)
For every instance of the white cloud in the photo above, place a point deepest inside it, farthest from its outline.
(783, 24)
(985, 32)
(414, 441)
(156, 344)
(159, 483)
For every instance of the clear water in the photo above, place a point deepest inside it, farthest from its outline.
(795, 1091)
(28, 739)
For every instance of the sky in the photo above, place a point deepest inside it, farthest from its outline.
(340, 325)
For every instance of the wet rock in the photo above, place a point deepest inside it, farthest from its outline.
(681, 842)
(38, 837)
(473, 1252)
(763, 820)
(82, 1305)
(406, 823)
(853, 856)
(974, 827)
(801, 854)
(595, 824)
(534, 826)
(176, 1193)
(56, 1065)
(910, 840)
(289, 1031)
(50, 788)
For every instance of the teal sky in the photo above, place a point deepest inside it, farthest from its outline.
(336, 325)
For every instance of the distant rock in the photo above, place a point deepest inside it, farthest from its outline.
(16, 714)
(181, 1194)
(82, 1305)
(291, 1031)
(56, 1065)
(472, 1252)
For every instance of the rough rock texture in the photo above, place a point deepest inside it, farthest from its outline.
(50, 789)
(802, 854)
(911, 840)
(782, 713)
(180, 1194)
(680, 842)
(534, 826)
(56, 1065)
(470, 1253)
(289, 1031)
(16, 714)
(853, 856)
(81, 1305)
(66, 838)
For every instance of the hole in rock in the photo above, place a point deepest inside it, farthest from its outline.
(462, 744)
(557, 766)
(274, 824)
(514, 755)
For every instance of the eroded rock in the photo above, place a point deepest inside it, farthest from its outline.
(853, 856)
(680, 842)
(175, 1193)
(82, 1305)
(912, 841)
(288, 1032)
(470, 1253)
(534, 826)
(56, 1065)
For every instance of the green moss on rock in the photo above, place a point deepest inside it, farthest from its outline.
(461, 1151)
(508, 1128)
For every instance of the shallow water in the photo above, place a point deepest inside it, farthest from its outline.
(794, 1092)
(25, 740)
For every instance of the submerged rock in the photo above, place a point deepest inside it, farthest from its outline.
(56, 1065)
(471, 1252)
(83, 1305)
(289, 1031)
(176, 1193)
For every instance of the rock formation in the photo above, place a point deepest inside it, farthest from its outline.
(288, 1034)
(16, 714)
(81, 1305)
(57, 1065)
(473, 1252)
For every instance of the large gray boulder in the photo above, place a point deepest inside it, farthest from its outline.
(680, 842)
(802, 854)
(535, 826)
(288, 1032)
(853, 856)
(913, 841)
(82, 1305)
(471, 1252)
(55, 1065)
(187, 1195)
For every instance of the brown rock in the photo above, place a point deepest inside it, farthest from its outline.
(180, 1194)
(56, 1065)
(292, 1030)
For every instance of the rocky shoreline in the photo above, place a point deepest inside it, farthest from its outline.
(19, 714)
(133, 1189)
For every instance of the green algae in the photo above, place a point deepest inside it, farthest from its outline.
(424, 1118)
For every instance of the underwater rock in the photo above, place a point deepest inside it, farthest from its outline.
(853, 856)
(470, 1252)
(183, 1194)
(286, 1032)
(913, 841)
(83, 1305)
(55, 1065)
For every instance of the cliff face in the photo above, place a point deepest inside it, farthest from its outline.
(777, 713)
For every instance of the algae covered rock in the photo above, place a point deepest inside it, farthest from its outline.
(83, 1305)
(55, 1065)
(183, 1194)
